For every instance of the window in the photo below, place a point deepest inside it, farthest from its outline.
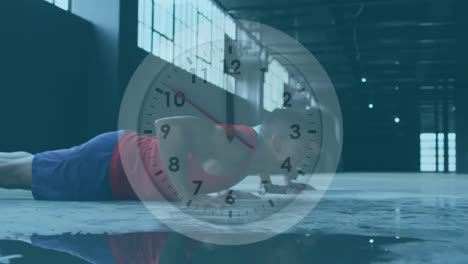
(432, 152)
(273, 88)
(189, 34)
(63, 4)
(156, 27)
(204, 43)
(452, 152)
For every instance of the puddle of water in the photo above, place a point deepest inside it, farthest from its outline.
(163, 247)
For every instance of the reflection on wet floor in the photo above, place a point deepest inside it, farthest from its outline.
(359, 220)
(165, 248)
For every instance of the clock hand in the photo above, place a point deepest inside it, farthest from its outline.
(229, 132)
(230, 114)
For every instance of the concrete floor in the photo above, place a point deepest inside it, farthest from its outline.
(432, 208)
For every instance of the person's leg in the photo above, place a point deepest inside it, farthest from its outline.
(80, 173)
(14, 155)
(76, 174)
(16, 173)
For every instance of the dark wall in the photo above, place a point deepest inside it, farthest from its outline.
(46, 56)
(130, 55)
(461, 99)
(462, 130)
(373, 142)
(104, 96)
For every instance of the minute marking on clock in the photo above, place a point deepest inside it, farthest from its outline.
(159, 91)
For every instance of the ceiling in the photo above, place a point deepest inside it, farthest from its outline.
(411, 52)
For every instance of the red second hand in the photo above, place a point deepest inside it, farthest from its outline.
(201, 110)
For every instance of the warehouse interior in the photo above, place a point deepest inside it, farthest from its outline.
(398, 67)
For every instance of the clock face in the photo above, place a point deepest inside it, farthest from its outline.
(175, 92)
(238, 82)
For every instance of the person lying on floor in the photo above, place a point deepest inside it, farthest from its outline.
(185, 150)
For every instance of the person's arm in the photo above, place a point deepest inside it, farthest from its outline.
(265, 181)
(178, 136)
